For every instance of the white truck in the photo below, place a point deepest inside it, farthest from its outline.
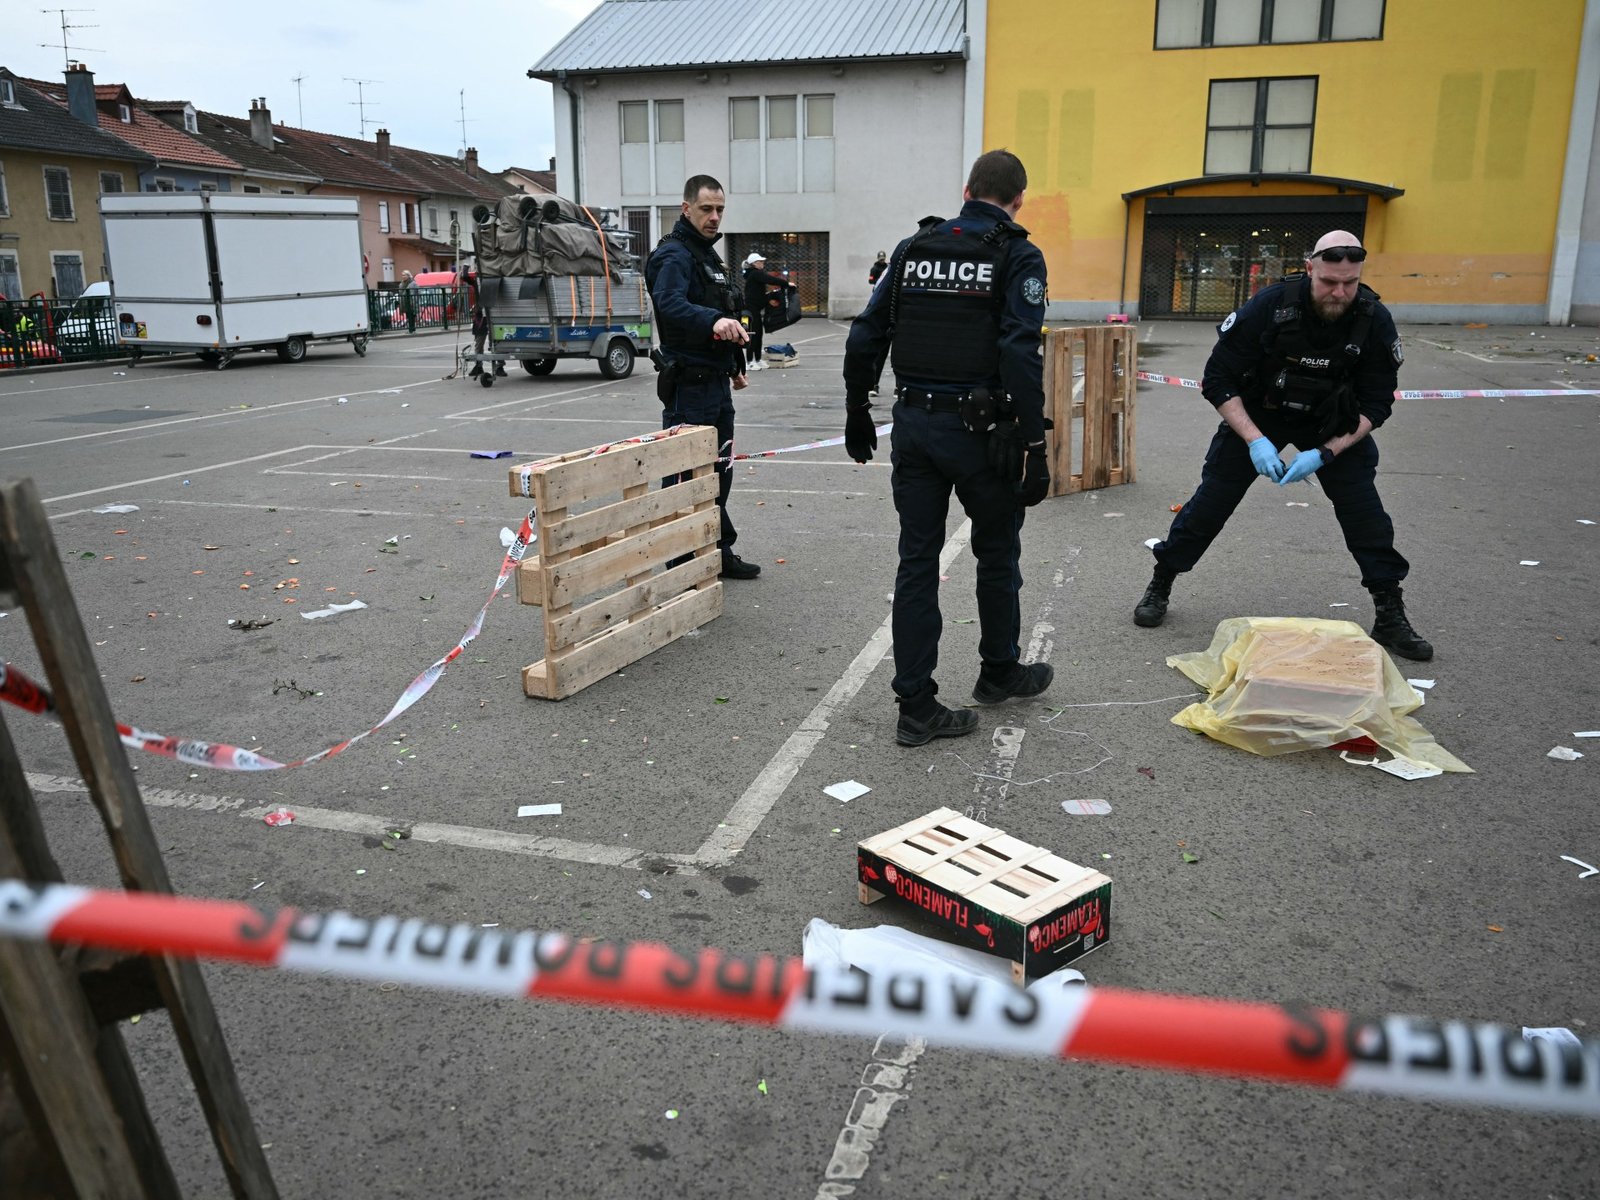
(213, 274)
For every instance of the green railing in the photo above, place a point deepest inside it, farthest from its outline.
(38, 332)
(395, 311)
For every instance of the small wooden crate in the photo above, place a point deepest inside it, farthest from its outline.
(600, 575)
(1106, 357)
(990, 890)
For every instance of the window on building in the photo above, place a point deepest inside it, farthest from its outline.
(383, 216)
(781, 119)
(1260, 125)
(285, 192)
(1184, 24)
(207, 187)
(58, 193)
(744, 118)
(669, 120)
(252, 189)
(388, 270)
(8, 93)
(110, 182)
(635, 121)
(165, 185)
(816, 168)
(668, 217)
(433, 219)
(5, 202)
(191, 122)
(10, 277)
(405, 217)
(124, 114)
(67, 268)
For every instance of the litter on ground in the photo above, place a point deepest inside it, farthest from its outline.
(846, 791)
(332, 609)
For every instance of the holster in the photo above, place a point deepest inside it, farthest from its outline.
(979, 410)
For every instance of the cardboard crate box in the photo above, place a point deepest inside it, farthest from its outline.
(990, 890)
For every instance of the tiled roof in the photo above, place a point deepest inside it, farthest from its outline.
(38, 123)
(544, 179)
(145, 132)
(636, 35)
(348, 161)
(231, 136)
(444, 176)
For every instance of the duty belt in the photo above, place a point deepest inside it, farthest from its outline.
(947, 402)
(1295, 406)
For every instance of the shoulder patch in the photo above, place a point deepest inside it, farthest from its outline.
(1398, 352)
(1227, 323)
(1033, 290)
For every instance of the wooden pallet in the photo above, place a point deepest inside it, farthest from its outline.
(991, 890)
(604, 538)
(1092, 443)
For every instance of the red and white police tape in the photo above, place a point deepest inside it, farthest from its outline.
(1403, 394)
(1466, 1063)
(17, 688)
(525, 472)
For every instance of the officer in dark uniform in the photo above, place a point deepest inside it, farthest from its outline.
(699, 316)
(960, 310)
(1312, 361)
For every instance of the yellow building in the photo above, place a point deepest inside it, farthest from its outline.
(1183, 153)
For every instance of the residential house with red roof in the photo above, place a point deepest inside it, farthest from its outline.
(266, 168)
(52, 169)
(180, 163)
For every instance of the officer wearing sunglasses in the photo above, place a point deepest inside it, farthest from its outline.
(1312, 362)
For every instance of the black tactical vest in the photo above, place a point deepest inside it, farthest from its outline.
(1314, 383)
(710, 285)
(948, 292)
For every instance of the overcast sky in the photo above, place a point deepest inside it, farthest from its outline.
(219, 56)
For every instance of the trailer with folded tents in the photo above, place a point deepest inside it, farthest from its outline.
(555, 283)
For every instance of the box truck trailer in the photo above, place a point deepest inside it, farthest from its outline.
(213, 274)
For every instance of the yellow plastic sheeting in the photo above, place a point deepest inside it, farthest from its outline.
(1281, 684)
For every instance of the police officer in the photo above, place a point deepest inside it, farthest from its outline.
(959, 310)
(699, 308)
(1312, 361)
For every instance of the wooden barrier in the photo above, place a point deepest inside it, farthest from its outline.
(1092, 443)
(600, 575)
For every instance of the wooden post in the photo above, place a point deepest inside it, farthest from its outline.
(35, 567)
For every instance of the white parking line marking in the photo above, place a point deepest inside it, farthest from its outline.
(745, 817)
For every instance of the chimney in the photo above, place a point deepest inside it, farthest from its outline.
(472, 161)
(80, 95)
(383, 145)
(261, 124)
(552, 162)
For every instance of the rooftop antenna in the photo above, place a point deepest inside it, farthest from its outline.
(66, 26)
(360, 101)
(463, 99)
(300, 102)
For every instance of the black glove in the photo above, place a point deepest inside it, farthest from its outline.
(860, 434)
(1006, 450)
(1035, 485)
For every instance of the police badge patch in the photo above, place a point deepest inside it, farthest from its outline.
(1033, 290)
(1227, 323)
(1399, 354)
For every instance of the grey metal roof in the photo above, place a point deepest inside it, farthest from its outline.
(639, 35)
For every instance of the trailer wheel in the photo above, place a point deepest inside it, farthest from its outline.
(538, 366)
(486, 379)
(618, 362)
(359, 345)
(293, 350)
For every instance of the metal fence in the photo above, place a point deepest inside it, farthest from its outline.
(418, 308)
(39, 332)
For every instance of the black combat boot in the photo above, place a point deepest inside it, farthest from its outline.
(1152, 608)
(1391, 629)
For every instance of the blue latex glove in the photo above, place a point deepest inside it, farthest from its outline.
(1306, 462)
(1265, 456)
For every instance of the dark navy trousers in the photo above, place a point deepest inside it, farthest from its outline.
(1348, 482)
(709, 402)
(933, 454)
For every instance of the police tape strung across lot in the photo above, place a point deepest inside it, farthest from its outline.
(17, 688)
(1465, 1063)
(1472, 394)
(525, 472)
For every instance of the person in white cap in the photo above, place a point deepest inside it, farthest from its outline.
(756, 284)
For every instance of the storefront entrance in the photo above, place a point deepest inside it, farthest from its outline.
(1205, 256)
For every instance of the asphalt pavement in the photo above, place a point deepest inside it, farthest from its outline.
(692, 814)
